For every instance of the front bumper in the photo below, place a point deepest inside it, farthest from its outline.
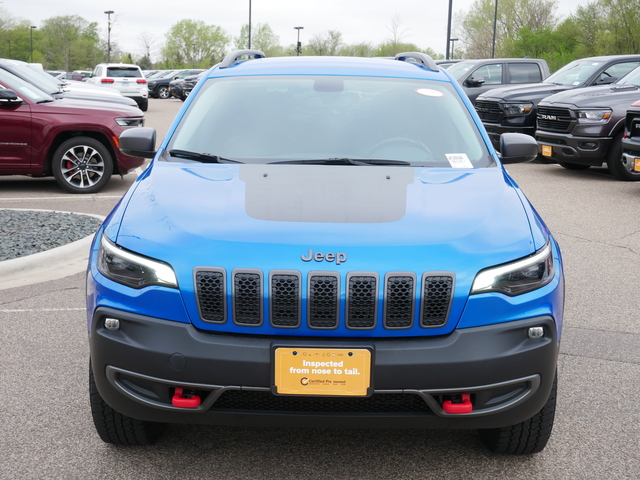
(494, 130)
(138, 366)
(573, 149)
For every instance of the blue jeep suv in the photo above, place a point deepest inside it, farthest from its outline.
(326, 242)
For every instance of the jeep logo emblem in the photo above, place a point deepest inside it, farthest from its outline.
(329, 257)
(547, 117)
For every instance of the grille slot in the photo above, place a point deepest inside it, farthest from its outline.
(554, 118)
(488, 111)
(362, 300)
(247, 297)
(399, 300)
(284, 301)
(437, 292)
(210, 290)
(323, 300)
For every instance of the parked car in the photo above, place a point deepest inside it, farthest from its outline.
(189, 83)
(62, 89)
(631, 138)
(175, 88)
(513, 109)
(159, 87)
(584, 127)
(73, 140)
(127, 78)
(481, 75)
(327, 242)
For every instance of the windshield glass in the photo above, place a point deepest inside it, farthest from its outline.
(460, 69)
(24, 89)
(574, 73)
(632, 78)
(270, 118)
(45, 83)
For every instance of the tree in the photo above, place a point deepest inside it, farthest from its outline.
(398, 32)
(147, 42)
(192, 43)
(262, 38)
(69, 41)
(327, 43)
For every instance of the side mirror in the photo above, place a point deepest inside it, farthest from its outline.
(517, 148)
(138, 142)
(9, 97)
(474, 81)
(606, 80)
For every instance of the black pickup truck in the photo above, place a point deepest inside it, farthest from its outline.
(631, 138)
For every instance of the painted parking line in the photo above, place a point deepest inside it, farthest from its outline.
(25, 310)
(75, 197)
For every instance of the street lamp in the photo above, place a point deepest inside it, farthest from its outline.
(447, 57)
(495, 21)
(31, 35)
(249, 47)
(453, 40)
(69, 54)
(9, 40)
(109, 12)
(299, 45)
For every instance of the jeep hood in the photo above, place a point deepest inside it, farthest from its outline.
(269, 216)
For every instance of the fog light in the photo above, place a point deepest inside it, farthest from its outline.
(536, 332)
(111, 323)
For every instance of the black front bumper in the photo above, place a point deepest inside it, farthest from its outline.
(573, 149)
(494, 130)
(508, 375)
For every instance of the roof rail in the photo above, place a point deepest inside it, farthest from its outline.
(234, 57)
(418, 57)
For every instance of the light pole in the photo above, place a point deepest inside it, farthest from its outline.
(453, 40)
(31, 39)
(109, 13)
(299, 45)
(69, 54)
(249, 47)
(495, 21)
(9, 40)
(447, 57)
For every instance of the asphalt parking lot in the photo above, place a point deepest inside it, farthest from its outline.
(47, 432)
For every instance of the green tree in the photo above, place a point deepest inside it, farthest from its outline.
(262, 38)
(193, 43)
(327, 43)
(69, 42)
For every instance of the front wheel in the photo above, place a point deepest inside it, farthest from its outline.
(118, 429)
(530, 436)
(82, 165)
(163, 92)
(619, 166)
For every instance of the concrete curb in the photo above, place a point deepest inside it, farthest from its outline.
(49, 265)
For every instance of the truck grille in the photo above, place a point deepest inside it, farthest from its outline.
(557, 119)
(283, 297)
(488, 111)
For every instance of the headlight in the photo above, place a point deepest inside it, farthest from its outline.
(131, 269)
(130, 121)
(516, 278)
(596, 115)
(523, 108)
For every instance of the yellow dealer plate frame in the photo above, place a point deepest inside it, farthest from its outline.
(636, 164)
(322, 371)
(547, 150)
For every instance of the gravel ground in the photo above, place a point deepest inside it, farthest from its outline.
(23, 233)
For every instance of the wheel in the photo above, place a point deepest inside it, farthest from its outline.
(619, 166)
(144, 105)
(163, 92)
(573, 166)
(530, 436)
(119, 429)
(82, 165)
(395, 142)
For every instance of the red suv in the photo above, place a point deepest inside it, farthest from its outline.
(74, 140)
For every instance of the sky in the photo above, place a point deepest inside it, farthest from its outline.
(423, 22)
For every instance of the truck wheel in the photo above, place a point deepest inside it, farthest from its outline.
(573, 166)
(119, 429)
(618, 165)
(530, 436)
(163, 92)
(82, 165)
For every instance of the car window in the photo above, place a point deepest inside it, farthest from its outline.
(24, 89)
(128, 72)
(524, 73)
(306, 117)
(618, 70)
(633, 78)
(575, 73)
(492, 74)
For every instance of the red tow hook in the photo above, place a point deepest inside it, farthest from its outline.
(455, 406)
(184, 400)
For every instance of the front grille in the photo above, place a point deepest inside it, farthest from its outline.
(557, 119)
(266, 401)
(488, 111)
(403, 301)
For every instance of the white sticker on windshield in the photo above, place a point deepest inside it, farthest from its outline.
(429, 92)
(459, 160)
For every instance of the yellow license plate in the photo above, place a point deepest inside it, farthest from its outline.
(547, 151)
(322, 371)
(636, 165)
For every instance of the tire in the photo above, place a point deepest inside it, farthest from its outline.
(82, 165)
(119, 429)
(163, 92)
(617, 164)
(573, 166)
(530, 436)
(144, 105)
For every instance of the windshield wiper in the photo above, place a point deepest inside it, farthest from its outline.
(201, 157)
(341, 161)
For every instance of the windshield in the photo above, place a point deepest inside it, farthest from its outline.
(269, 119)
(24, 89)
(460, 69)
(575, 73)
(632, 78)
(44, 82)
